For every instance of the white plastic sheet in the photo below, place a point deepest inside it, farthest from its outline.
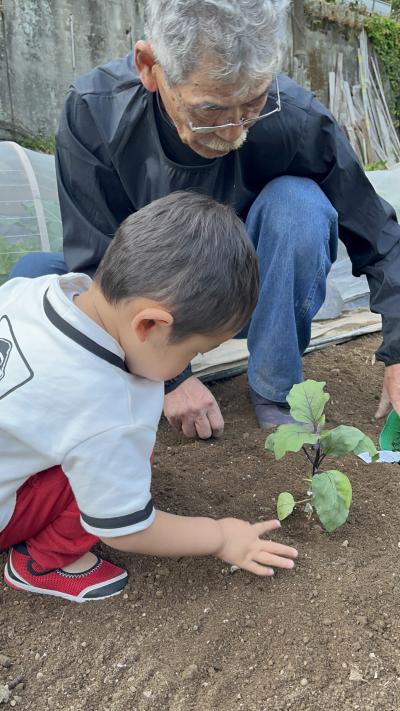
(29, 211)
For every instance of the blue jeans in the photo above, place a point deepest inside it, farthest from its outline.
(36, 264)
(294, 229)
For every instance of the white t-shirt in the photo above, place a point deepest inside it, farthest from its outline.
(66, 398)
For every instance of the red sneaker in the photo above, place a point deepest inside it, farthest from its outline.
(101, 580)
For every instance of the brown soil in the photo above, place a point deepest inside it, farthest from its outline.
(189, 635)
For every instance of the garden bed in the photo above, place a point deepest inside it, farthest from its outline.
(188, 635)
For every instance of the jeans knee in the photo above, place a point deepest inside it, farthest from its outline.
(36, 264)
(297, 210)
(296, 189)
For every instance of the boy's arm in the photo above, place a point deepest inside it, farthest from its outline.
(234, 541)
(110, 476)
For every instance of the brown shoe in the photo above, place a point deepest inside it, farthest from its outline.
(270, 414)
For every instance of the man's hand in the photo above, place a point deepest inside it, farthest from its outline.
(193, 410)
(242, 546)
(390, 397)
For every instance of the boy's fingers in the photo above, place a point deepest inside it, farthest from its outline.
(280, 549)
(254, 567)
(266, 526)
(274, 560)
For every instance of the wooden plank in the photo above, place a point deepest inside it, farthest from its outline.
(394, 136)
(363, 111)
(353, 141)
(332, 82)
(349, 102)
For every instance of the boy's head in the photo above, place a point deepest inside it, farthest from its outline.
(184, 275)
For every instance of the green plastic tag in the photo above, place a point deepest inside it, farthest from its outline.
(389, 438)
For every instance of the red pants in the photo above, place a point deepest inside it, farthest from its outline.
(47, 518)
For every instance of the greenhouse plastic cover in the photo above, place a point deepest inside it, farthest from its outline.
(30, 220)
(29, 211)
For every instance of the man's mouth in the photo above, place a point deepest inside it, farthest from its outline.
(220, 146)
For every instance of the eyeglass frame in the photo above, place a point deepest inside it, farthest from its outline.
(242, 122)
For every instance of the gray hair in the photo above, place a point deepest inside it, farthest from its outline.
(246, 36)
(189, 253)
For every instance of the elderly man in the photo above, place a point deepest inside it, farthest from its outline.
(199, 106)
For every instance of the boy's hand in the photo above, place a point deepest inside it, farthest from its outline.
(242, 546)
(192, 409)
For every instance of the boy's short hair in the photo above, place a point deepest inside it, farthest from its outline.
(191, 254)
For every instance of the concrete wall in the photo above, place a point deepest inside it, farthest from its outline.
(320, 31)
(45, 43)
(322, 49)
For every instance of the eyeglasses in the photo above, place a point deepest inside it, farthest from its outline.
(243, 122)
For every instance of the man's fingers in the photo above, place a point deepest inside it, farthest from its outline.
(193, 410)
(176, 423)
(384, 406)
(203, 426)
(188, 427)
(391, 388)
(216, 420)
(382, 411)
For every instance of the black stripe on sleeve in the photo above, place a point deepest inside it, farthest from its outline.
(119, 521)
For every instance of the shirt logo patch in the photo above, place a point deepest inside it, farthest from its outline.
(5, 349)
(15, 370)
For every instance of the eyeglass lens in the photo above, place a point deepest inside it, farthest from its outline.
(201, 124)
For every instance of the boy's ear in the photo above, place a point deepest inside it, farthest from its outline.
(146, 320)
(144, 62)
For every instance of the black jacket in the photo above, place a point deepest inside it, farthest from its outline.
(110, 162)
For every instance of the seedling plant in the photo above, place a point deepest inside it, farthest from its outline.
(329, 492)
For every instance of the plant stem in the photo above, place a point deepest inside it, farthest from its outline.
(303, 501)
(307, 455)
(316, 460)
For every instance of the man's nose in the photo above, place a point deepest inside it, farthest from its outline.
(230, 134)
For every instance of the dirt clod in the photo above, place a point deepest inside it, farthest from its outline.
(4, 693)
(190, 671)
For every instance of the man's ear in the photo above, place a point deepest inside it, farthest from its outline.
(144, 323)
(144, 62)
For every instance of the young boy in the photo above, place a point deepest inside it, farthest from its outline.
(81, 392)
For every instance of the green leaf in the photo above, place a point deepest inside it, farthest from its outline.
(290, 438)
(269, 443)
(307, 401)
(390, 435)
(285, 505)
(331, 498)
(344, 439)
(366, 445)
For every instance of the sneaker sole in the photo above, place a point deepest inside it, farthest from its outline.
(13, 581)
